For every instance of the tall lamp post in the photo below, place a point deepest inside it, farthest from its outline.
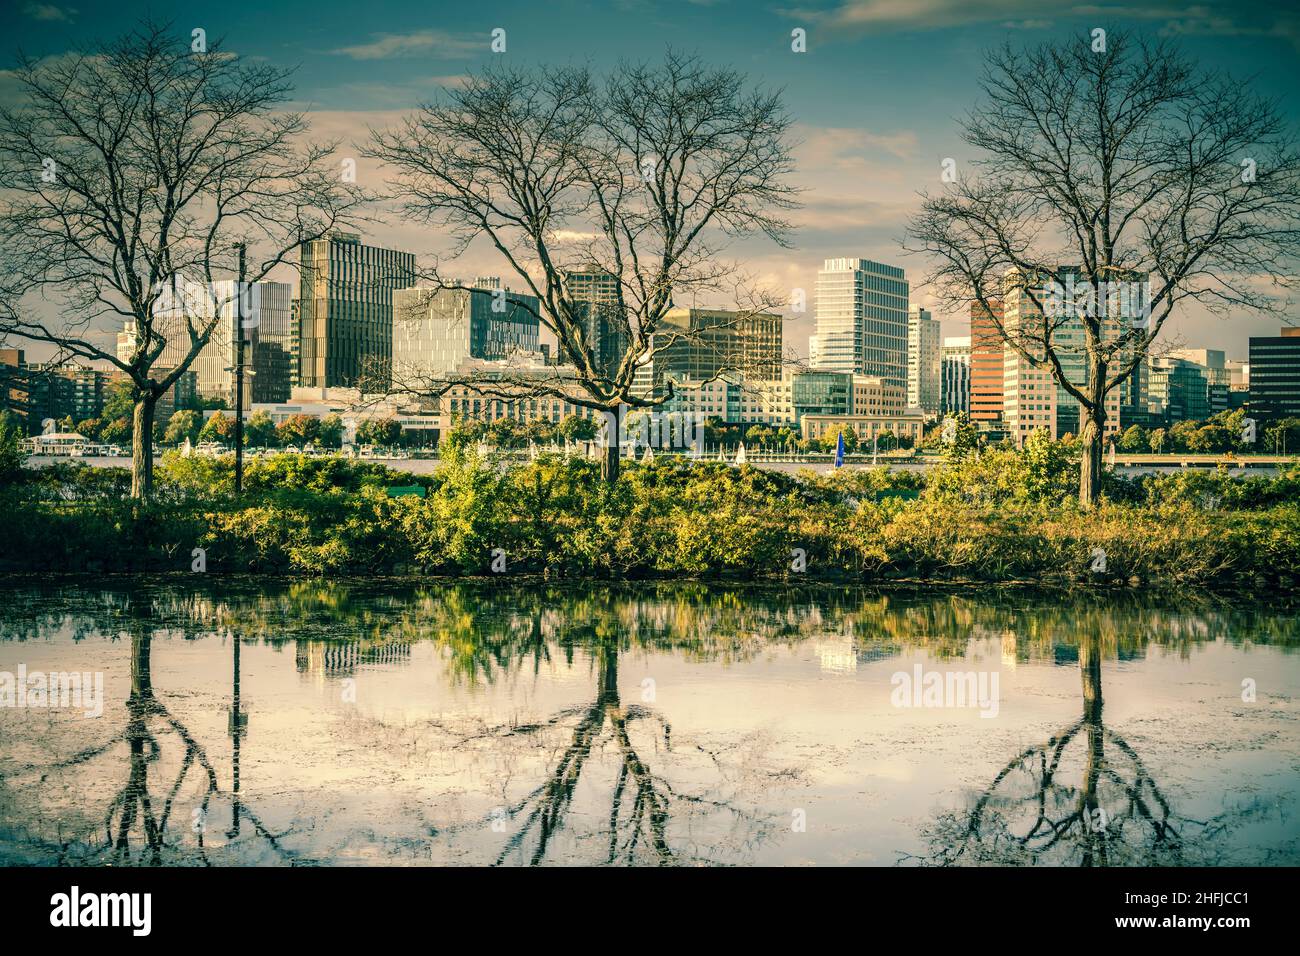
(239, 377)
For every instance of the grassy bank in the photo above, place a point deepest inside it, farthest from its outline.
(1003, 516)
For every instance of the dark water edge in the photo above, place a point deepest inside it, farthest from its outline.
(1253, 592)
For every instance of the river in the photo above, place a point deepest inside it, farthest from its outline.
(251, 722)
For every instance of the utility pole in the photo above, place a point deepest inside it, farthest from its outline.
(239, 378)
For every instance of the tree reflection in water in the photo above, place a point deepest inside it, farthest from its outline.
(134, 812)
(642, 803)
(1099, 807)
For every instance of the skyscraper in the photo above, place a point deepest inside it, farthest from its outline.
(266, 328)
(345, 309)
(1177, 390)
(923, 360)
(1218, 378)
(1031, 397)
(266, 332)
(861, 320)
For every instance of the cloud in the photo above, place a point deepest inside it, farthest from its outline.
(49, 12)
(842, 148)
(1211, 17)
(919, 14)
(450, 80)
(426, 42)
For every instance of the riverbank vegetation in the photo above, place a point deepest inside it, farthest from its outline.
(999, 515)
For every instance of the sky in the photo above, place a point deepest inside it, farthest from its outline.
(875, 98)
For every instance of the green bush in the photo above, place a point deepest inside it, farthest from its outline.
(1000, 515)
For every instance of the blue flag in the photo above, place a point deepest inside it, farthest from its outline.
(839, 451)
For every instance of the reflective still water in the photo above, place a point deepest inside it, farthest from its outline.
(477, 723)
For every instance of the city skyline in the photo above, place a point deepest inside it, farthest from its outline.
(862, 158)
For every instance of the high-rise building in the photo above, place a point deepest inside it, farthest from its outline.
(15, 384)
(861, 315)
(266, 326)
(954, 376)
(64, 391)
(345, 309)
(435, 331)
(266, 330)
(295, 348)
(701, 344)
(595, 293)
(1032, 399)
(1135, 397)
(1275, 375)
(924, 361)
(986, 348)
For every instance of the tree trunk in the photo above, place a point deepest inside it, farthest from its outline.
(1090, 441)
(613, 434)
(142, 447)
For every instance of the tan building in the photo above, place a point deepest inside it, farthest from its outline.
(910, 425)
(1031, 398)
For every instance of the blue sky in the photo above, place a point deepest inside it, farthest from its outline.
(874, 97)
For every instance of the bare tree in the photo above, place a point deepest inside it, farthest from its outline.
(134, 175)
(640, 181)
(1106, 161)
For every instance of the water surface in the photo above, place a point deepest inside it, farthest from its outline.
(489, 723)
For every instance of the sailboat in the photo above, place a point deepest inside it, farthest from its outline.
(649, 456)
(187, 449)
(740, 454)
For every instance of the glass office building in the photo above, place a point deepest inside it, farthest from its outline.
(1275, 375)
(861, 316)
(436, 330)
(345, 309)
(595, 295)
(701, 344)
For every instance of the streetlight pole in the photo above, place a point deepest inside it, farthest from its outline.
(239, 377)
